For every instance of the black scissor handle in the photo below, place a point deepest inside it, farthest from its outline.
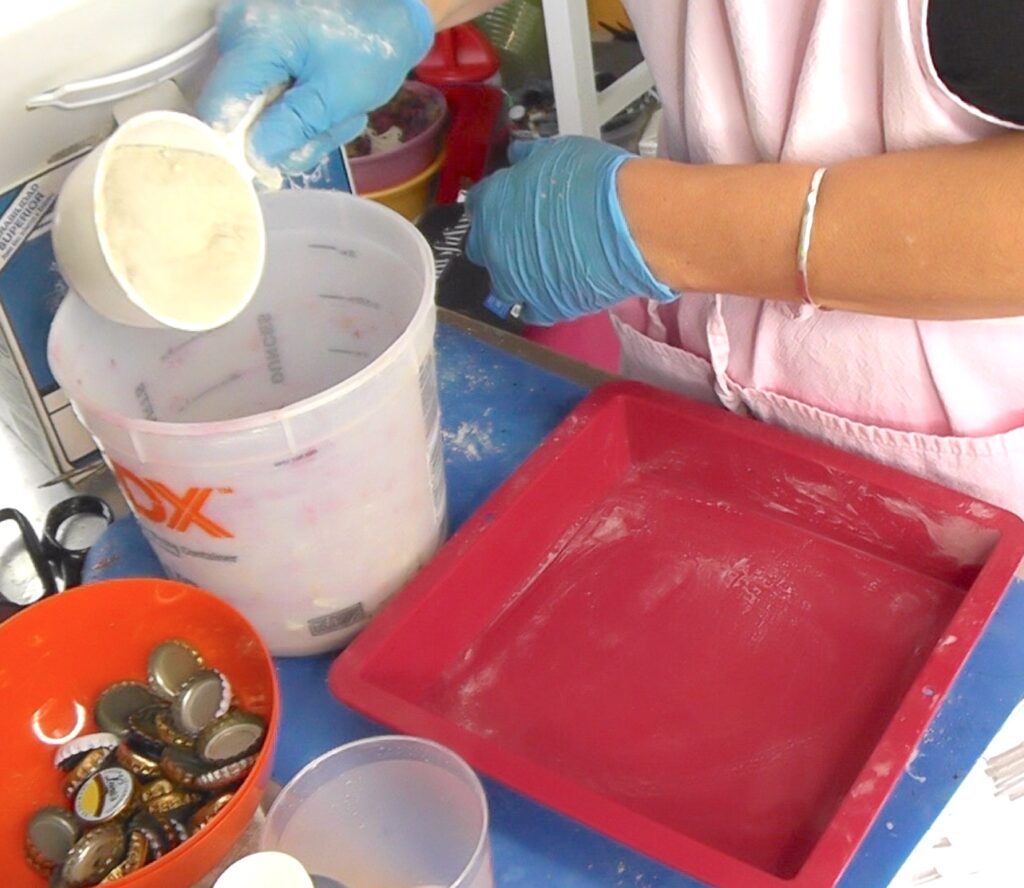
(70, 561)
(36, 554)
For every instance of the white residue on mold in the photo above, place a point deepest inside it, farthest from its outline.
(778, 507)
(821, 493)
(909, 769)
(955, 537)
(981, 510)
(471, 439)
(612, 528)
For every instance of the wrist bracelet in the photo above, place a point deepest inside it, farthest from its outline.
(803, 246)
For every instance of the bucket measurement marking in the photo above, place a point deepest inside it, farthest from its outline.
(341, 251)
(355, 300)
(182, 406)
(349, 352)
(185, 510)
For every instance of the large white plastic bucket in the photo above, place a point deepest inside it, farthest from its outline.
(289, 461)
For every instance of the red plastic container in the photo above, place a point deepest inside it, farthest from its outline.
(459, 55)
(475, 138)
(715, 641)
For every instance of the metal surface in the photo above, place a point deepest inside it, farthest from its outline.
(534, 354)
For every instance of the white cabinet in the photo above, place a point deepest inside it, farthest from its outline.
(581, 108)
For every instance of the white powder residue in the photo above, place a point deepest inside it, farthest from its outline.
(958, 538)
(182, 229)
(471, 439)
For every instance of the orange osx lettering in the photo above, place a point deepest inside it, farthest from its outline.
(161, 505)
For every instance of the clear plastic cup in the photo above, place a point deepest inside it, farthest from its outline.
(387, 812)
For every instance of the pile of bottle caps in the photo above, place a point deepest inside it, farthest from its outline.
(168, 754)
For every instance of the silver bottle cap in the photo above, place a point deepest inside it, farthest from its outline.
(119, 702)
(205, 698)
(171, 665)
(50, 836)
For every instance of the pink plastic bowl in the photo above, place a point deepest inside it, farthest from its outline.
(379, 172)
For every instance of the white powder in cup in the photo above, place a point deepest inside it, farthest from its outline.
(181, 228)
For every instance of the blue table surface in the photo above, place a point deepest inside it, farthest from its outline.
(496, 408)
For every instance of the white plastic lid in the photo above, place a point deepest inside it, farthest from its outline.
(267, 869)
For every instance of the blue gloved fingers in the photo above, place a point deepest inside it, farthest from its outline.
(304, 159)
(488, 245)
(521, 149)
(241, 75)
(341, 59)
(474, 248)
(301, 116)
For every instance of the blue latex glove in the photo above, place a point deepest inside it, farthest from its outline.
(339, 59)
(552, 234)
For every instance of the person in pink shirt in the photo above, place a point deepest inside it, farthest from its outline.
(833, 240)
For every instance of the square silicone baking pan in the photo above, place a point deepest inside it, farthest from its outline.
(708, 638)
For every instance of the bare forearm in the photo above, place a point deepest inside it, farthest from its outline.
(447, 13)
(936, 233)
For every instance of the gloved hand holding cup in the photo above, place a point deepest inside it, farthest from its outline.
(336, 59)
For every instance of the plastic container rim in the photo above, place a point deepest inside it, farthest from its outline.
(418, 88)
(460, 764)
(409, 184)
(117, 139)
(312, 402)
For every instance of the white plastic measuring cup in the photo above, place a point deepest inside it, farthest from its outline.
(289, 461)
(387, 812)
(86, 253)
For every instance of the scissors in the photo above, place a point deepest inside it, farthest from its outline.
(56, 562)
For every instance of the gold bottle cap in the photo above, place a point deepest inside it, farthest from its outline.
(135, 859)
(51, 833)
(169, 733)
(210, 810)
(141, 766)
(174, 829)
(227, 775)
(181, 766)
(143, 735)
(94, 855)
(146, 825)
(171, 664)
(172, 802)
(236, 735)
(156, 788)
(89, 765)
(205, 698)
(107, 796)
(119, 702)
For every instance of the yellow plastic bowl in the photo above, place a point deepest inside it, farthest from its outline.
(412, 197)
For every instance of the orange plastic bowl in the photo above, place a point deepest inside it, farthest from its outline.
(55, 659)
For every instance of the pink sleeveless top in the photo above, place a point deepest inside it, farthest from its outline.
(821, 81)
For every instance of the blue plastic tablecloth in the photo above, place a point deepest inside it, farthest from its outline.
(496, 408)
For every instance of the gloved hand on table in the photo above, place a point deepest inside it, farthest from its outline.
(552, 234)
(339, 58)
